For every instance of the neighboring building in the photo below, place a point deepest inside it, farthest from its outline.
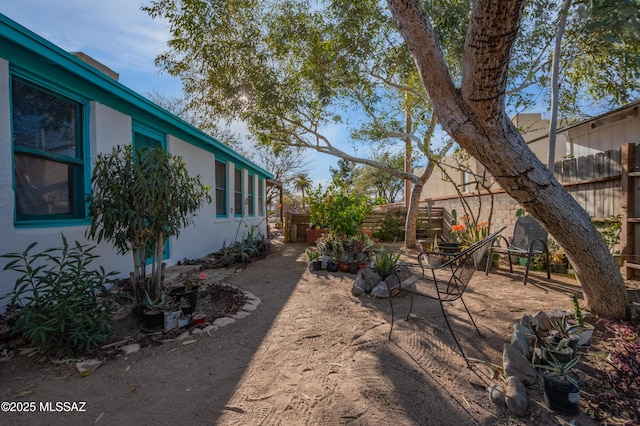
(57, 112)
(588, 164)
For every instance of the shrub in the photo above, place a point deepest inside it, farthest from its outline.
(341, 211)
(391, 228)
(58, 302)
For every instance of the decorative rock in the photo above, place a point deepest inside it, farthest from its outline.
(519, 341)
(542, 319)
(221, 322)
(526, 321)
(366, 279)
(240, 315)
(496, 395)
(196, 331)
(254, 299)
(403, 273)
(516, 397)
(380, 290)
(357, 290)
(515, 364)
(392, 285)
(249, 307)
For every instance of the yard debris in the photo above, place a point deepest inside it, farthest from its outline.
(88, 366)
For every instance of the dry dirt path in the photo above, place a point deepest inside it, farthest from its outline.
(311, 354)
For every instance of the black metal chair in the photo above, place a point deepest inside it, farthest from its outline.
(529, 239)
(446, 283)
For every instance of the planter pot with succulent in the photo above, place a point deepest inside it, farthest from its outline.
(385, 261)
(557, 257)
(560, 386)
(186, 295)
(160, 313)
(578, 327)
(314, 260)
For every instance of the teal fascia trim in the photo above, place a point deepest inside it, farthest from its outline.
(51, 55)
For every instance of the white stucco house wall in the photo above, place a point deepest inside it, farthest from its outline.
(57, 112)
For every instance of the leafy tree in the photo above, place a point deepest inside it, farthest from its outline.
(288, 68)
(377, 184)
(138, 200)
(302, 182)
(344, 173)
(476, 118)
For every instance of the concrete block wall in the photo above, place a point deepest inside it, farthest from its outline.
(504, 210)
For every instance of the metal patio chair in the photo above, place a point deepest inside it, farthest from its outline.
(444, 283)
(529, 239)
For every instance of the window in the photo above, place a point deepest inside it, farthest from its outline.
(250, 196)
(237, 207)
(146, 137)
(48, 154)
(221, 189)
(261, 197)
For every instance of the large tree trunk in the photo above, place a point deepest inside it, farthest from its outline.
(414, 203)
(474, 116)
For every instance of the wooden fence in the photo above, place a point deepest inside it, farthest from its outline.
(385, 219)
(594, 181)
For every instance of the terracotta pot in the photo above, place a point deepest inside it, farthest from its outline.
(343, 267)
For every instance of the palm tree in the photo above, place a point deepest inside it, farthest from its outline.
(302, 182)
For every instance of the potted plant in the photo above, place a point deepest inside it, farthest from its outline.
(385, 261)
(362, 260)
(138, 200)
(433, 257)
(557, 257)
(560, 386)
(559, 350)
(187, 293)
(578, 327)
(160, 313)
(610, 231)
(314, 258)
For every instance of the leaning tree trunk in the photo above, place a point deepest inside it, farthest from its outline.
(474, 116)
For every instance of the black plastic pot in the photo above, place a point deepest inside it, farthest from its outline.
(317, 265)
(560, 394)
(332, 267)
(353, 268)
(191, 297)
(153, 320)
(449, 248)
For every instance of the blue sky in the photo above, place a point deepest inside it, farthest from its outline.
(122, 37)
(114, 32)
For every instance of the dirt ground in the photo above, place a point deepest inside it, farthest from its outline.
(310, 354)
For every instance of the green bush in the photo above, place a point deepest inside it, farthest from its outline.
(391, 228)
(338, 209)
(58, 302)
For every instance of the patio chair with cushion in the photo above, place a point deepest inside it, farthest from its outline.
(445, 282)
(529, 239)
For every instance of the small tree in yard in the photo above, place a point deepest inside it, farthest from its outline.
(139, 200)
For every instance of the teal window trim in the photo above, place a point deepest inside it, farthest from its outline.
(238, 200)
(221, 188)
(81, 182)
(147, 132)
(251, 195)
(261, 206)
